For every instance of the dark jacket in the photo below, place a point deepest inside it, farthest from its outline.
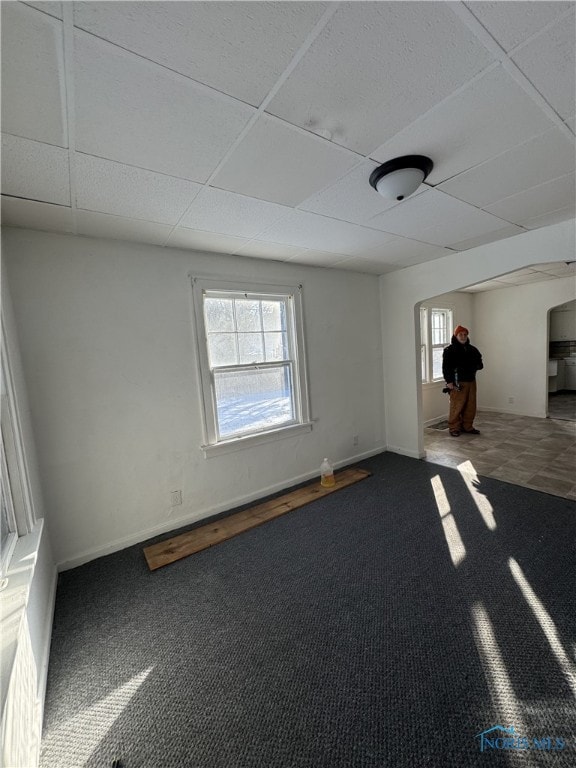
(464, 358)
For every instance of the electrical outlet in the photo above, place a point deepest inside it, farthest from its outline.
(510, 399)
(355, 439)
(176, 498)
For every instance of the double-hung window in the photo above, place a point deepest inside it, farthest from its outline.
(252, 362)
(435, 334)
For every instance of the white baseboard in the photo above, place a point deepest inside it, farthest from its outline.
(431, 422)
(188, 519)
(407, 452)
(511, 413)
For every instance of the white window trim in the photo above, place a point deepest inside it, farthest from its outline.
(211, 445)
(429, 347)
(14, 467)
(12, 538)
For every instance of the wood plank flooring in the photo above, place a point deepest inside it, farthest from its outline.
(185, 544)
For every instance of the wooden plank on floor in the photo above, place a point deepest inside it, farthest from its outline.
(170, 550)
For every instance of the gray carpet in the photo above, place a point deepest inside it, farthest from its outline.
(338, 636)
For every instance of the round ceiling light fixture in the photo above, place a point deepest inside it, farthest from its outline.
(399, 178)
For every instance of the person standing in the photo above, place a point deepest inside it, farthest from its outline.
(460, 361)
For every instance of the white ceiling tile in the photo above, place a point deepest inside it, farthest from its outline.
(237, 49)
(490, 116)
(558, 269)
(110, 227)
(535, 277)
(436, 218)
(139, 113)
(33, 97)
(545, 198)
(49, 7)
(489, 285)
(216, 210)
(375, 68)
(499, 234)
(549, 62)
(318, 258)
(513, 277)
(263, 166)
(402, 250)
(510, 23)
(204, 241)
(33, 215)
(110, 187)
(34, 170)
(547, 219)
(309, 230)
(358, 264)
(534, 162)
(262, 250)
(351, 198)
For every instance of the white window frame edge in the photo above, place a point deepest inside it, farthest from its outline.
(15, 457)
(6, 554)
(208, 409)
(429, 306)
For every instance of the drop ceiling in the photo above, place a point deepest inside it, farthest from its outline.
(251, 128)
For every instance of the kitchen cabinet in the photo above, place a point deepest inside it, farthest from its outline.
(570, 374)
(561, 376)
(555, 375)
(563, 323)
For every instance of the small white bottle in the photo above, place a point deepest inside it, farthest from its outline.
(327, 474)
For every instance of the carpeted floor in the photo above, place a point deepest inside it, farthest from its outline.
(385, 625)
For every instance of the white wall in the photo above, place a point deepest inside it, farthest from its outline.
(108, 353)
(434, 403)
(401, 293)
(513, 337)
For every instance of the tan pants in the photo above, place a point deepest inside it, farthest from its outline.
(462, 407)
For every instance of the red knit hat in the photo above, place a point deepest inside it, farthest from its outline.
(460, 329)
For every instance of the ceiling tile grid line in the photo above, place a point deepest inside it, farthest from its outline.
(562, 178)
(199, 165)
(318, 27)
(68, 45)
(543, 30)
(476, 26)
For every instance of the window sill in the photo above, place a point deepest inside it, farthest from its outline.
(239, 443)
(432, 384)
(14, 600)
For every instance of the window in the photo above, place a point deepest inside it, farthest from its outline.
(252, 366)
(16, 514)
(435, 334)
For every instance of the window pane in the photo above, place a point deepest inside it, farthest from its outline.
(222, 349)
(439, 326)
(437, 362)
(247, 315)
(276, 346)
(219, 314)
(273, 315)
(247, 401)
(423, 361)
(250, 348)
